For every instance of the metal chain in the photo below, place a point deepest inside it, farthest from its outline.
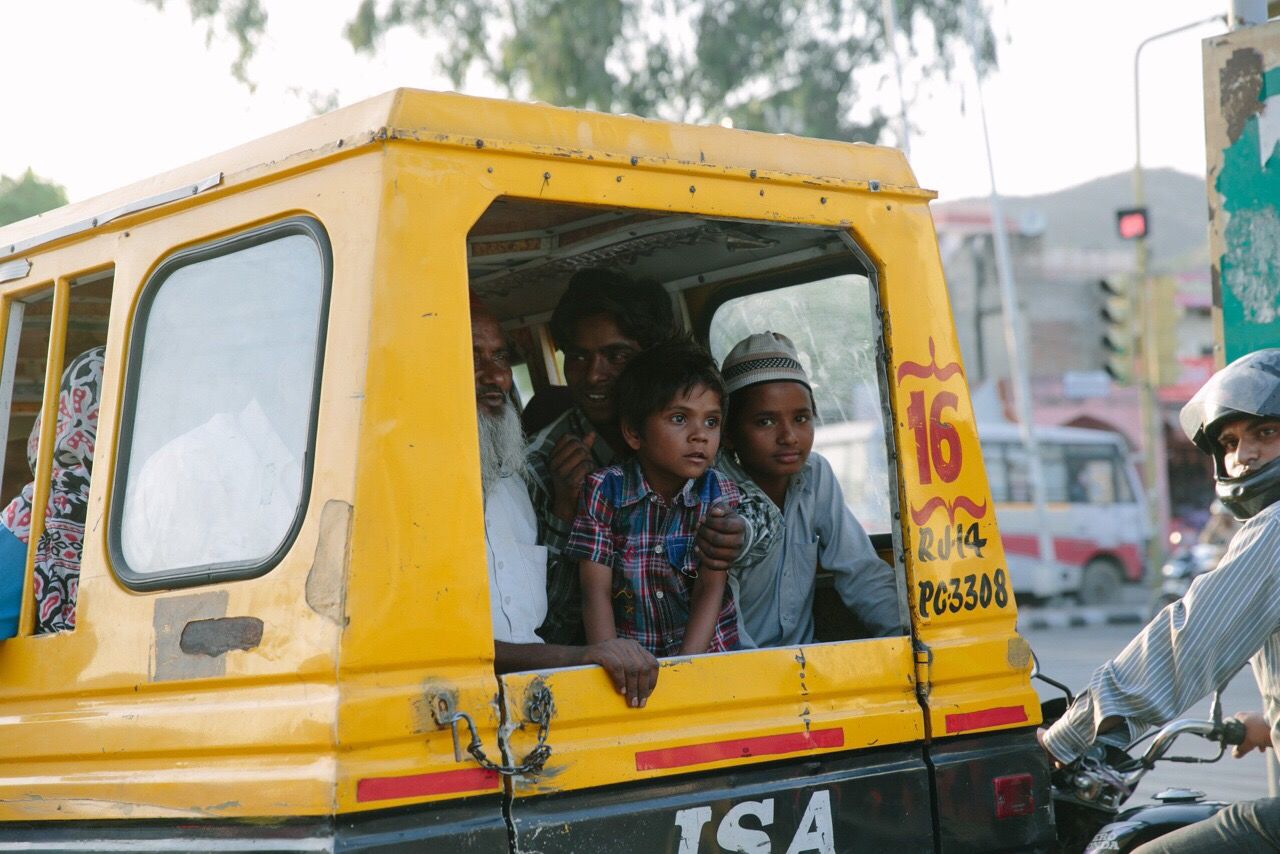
(538, 709)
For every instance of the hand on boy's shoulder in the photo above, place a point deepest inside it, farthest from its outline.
(720, 538)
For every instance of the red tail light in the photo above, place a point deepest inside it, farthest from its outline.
(1014, 796)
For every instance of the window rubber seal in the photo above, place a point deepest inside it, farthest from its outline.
(192, 576)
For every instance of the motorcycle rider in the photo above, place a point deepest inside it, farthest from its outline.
(1228, 616)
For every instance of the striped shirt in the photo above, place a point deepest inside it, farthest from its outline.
(1229, 616)
(648, 541)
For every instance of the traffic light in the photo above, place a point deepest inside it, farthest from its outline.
(1118, 339)
(1132, 223)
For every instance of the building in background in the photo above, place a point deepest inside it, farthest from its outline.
(1062, 244)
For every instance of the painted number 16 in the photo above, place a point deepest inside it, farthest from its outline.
(936, 440)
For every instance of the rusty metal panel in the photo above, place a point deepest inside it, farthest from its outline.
(1242, 126)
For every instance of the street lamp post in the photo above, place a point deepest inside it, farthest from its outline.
(1152, 428)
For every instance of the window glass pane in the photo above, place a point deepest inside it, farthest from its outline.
(1097, 474)
(1019, 473)
(993, 461)
(1120, 469)
(1054, 469)
(222, 413)
(831, 323)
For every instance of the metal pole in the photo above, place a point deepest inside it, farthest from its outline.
(888, 10)
(1247, 13)
(1149, 376)
(1012, 321)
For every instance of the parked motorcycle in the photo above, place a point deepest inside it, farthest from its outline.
(1089, 793)
(1183, 567)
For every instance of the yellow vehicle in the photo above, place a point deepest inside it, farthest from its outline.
(281, 640)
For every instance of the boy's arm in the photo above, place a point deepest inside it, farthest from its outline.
(632, 668)
(764, 524)
(597, 605)
(704, 610)
(866, 584)
(761, 519)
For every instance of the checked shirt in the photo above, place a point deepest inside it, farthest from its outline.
(563, 624)
(648, 542)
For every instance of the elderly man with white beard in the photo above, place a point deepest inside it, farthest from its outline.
(517, 564)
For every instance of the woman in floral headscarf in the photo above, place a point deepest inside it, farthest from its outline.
(57, 566)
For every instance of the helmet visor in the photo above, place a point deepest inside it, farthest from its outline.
(1250, 385)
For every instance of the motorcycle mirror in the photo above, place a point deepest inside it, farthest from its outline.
(1035, 665)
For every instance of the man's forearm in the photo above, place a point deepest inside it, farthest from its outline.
(514, 657)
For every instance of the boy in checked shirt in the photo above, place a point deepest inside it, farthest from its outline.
(636, 524)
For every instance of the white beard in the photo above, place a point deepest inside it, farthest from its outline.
(501, 446)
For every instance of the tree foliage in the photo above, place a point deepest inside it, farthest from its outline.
(802, 66)
(28, 196)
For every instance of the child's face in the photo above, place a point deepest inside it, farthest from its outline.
(680, 440)
(773, 428)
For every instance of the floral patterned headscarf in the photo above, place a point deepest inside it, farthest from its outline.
(57, 567)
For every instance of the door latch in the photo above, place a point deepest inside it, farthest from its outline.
(538, 709)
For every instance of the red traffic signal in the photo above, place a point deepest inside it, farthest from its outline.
(1131, 223)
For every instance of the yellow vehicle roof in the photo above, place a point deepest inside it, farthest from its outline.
(446, 118)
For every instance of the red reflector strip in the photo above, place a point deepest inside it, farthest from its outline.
(738, 748)
(417, 785)
(985, 718)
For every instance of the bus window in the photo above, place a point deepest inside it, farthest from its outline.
(1019, 473)
(219, 410)
(1097, 475)
(993, 454)
(1053, 467)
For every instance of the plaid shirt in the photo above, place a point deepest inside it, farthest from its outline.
(563, 623)
(648, 542)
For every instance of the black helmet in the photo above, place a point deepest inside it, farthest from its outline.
(1249, 386)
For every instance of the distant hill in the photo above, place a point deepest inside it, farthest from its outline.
(1083, 217)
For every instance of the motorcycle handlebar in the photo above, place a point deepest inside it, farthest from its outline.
(1169, 733)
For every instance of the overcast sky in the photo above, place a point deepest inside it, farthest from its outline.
(99, 93)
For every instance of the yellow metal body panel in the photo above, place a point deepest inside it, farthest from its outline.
(338, 699)
(86, 730)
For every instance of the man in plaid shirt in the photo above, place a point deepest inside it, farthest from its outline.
(602, 322)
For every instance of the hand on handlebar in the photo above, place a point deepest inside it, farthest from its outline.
(1257, 734)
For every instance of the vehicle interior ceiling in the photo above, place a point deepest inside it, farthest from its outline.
(522, 253)
(87, 321)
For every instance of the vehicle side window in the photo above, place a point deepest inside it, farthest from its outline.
(832, 324)
(1019, 473)
(1053, 466)
(1119, 470)
(1098, 474)
(219, 410)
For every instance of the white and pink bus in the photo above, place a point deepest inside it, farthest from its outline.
(1097, 513)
